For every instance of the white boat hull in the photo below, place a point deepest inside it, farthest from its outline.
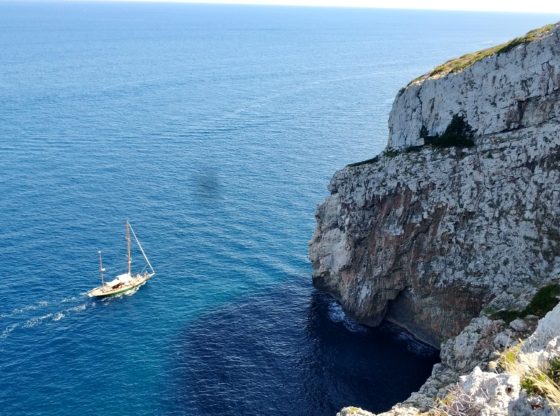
(117, 287)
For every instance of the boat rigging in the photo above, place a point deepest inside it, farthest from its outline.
(125, 282)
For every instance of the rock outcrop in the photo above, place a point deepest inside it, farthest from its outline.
(443, 237)
(429, 237)
(510, 89)
(495, 391)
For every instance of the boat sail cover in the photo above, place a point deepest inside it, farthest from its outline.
(124, 278)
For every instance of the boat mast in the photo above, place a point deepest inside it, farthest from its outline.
(101, 269)
(128, 245)
(141, 249)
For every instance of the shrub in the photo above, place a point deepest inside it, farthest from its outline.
(457, 134)
(531, 384)
(390, 152)
(554, 370)
(506, 316)
(534, 381)
(508, 360)
(542, 303)
(412, 149)
(537, 383)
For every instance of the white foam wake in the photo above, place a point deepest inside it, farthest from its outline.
(7, 331)
(21, 320)
(23, 309)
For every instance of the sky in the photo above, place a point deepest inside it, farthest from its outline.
(533, 6)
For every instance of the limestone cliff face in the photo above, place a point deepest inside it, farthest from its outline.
(505, 91)
(429, 237)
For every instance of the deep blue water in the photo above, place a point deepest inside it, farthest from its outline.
(215, 130)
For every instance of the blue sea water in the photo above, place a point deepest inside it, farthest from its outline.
(215, 130)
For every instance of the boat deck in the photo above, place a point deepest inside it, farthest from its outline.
(117, 287)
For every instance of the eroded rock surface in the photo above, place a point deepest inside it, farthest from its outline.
(438, 239)
(503, 92)
(467, 382)
(430, 237)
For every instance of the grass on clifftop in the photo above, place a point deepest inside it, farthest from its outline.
(542, 380)
(459, 64)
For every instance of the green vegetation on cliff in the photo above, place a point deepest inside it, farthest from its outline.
(462, 62)
(457, 134)
(543, 301)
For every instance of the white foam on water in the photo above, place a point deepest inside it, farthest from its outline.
(40, 305)
(79, 308)
(27, 308)
(354, 327)
(131, 292)
(52, 317)
(62, 314)
(337, 314)
(413, 344)
(7, 331)
(37, 320)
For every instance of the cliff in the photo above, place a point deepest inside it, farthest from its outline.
(429, 236)
(523, 380)
(459, 218)
(509, 87)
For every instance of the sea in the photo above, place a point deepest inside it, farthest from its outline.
(214, 130)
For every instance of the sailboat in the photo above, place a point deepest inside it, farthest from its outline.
(125, 282)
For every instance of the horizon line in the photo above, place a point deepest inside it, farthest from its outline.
(292, 4)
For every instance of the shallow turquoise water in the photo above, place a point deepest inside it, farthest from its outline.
(215, 130)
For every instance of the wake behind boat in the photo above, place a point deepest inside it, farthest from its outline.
(125, 282)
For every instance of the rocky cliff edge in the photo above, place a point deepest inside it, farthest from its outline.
(459, 218)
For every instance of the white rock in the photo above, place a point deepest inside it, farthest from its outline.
(518, 325)
(490, 393)
(499, 93)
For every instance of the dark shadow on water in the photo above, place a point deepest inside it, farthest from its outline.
(205, 184)
(291, 351)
